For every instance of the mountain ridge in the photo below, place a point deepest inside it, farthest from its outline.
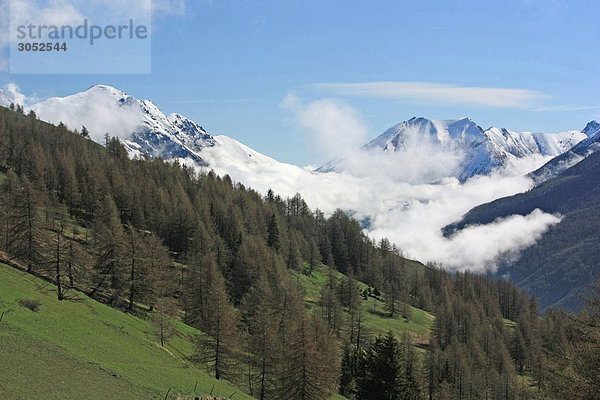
(563, 262)
(572, 156)
(146, 131)
(481, 150)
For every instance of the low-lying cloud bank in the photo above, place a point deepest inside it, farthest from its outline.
(412, 215)
(394, 190)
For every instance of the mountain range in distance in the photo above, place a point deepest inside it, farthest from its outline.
(480, 151)
(145, 130)
(466, 149)
(565, 260)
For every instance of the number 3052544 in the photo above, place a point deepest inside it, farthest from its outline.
(42, 46)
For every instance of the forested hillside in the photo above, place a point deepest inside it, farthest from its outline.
(150, 237)
(566, 260)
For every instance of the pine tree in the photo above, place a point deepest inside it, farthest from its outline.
(348, 371)
(382, 369)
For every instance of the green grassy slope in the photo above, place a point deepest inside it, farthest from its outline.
(83, 349)
(376, 319)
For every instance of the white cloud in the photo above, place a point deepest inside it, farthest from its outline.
(416, 225)
(54, 12)
(504, 237)
(395, 190)
(437, 92)
(334, 127)
(422, 160)
(13, 91)
(566, 108)
(412, 215)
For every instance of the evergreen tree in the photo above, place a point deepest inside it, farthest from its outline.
(348, 372)
(382, 371)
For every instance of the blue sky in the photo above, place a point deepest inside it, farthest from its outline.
(282, 76)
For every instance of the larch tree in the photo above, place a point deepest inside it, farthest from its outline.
(259, 314)
(220, 323)
(110, 272)
(24, 231)
(135, 258)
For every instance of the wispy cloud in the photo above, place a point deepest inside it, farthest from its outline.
(333, 127)
(50, 13)
(438, 93)
(13, 91)
(213, 101)
(566, 108)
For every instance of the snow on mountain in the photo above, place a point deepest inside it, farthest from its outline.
(480, 151)
(5, 99)
(410, 212)
(144, 129)
(571, 156)
(591, 128)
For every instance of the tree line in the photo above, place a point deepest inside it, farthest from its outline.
(148, 234)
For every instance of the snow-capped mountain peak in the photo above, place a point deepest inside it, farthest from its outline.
(480, 151)
(572, 156)
(446, 133)
(143, 128)
(591, 128)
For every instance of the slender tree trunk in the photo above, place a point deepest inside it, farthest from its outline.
(132, 288)
(303, 390)
(70, 264)
(29, 235)
(218, 341)
(358, 331)
(263, 371)
(58, 277)
(162, 330)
